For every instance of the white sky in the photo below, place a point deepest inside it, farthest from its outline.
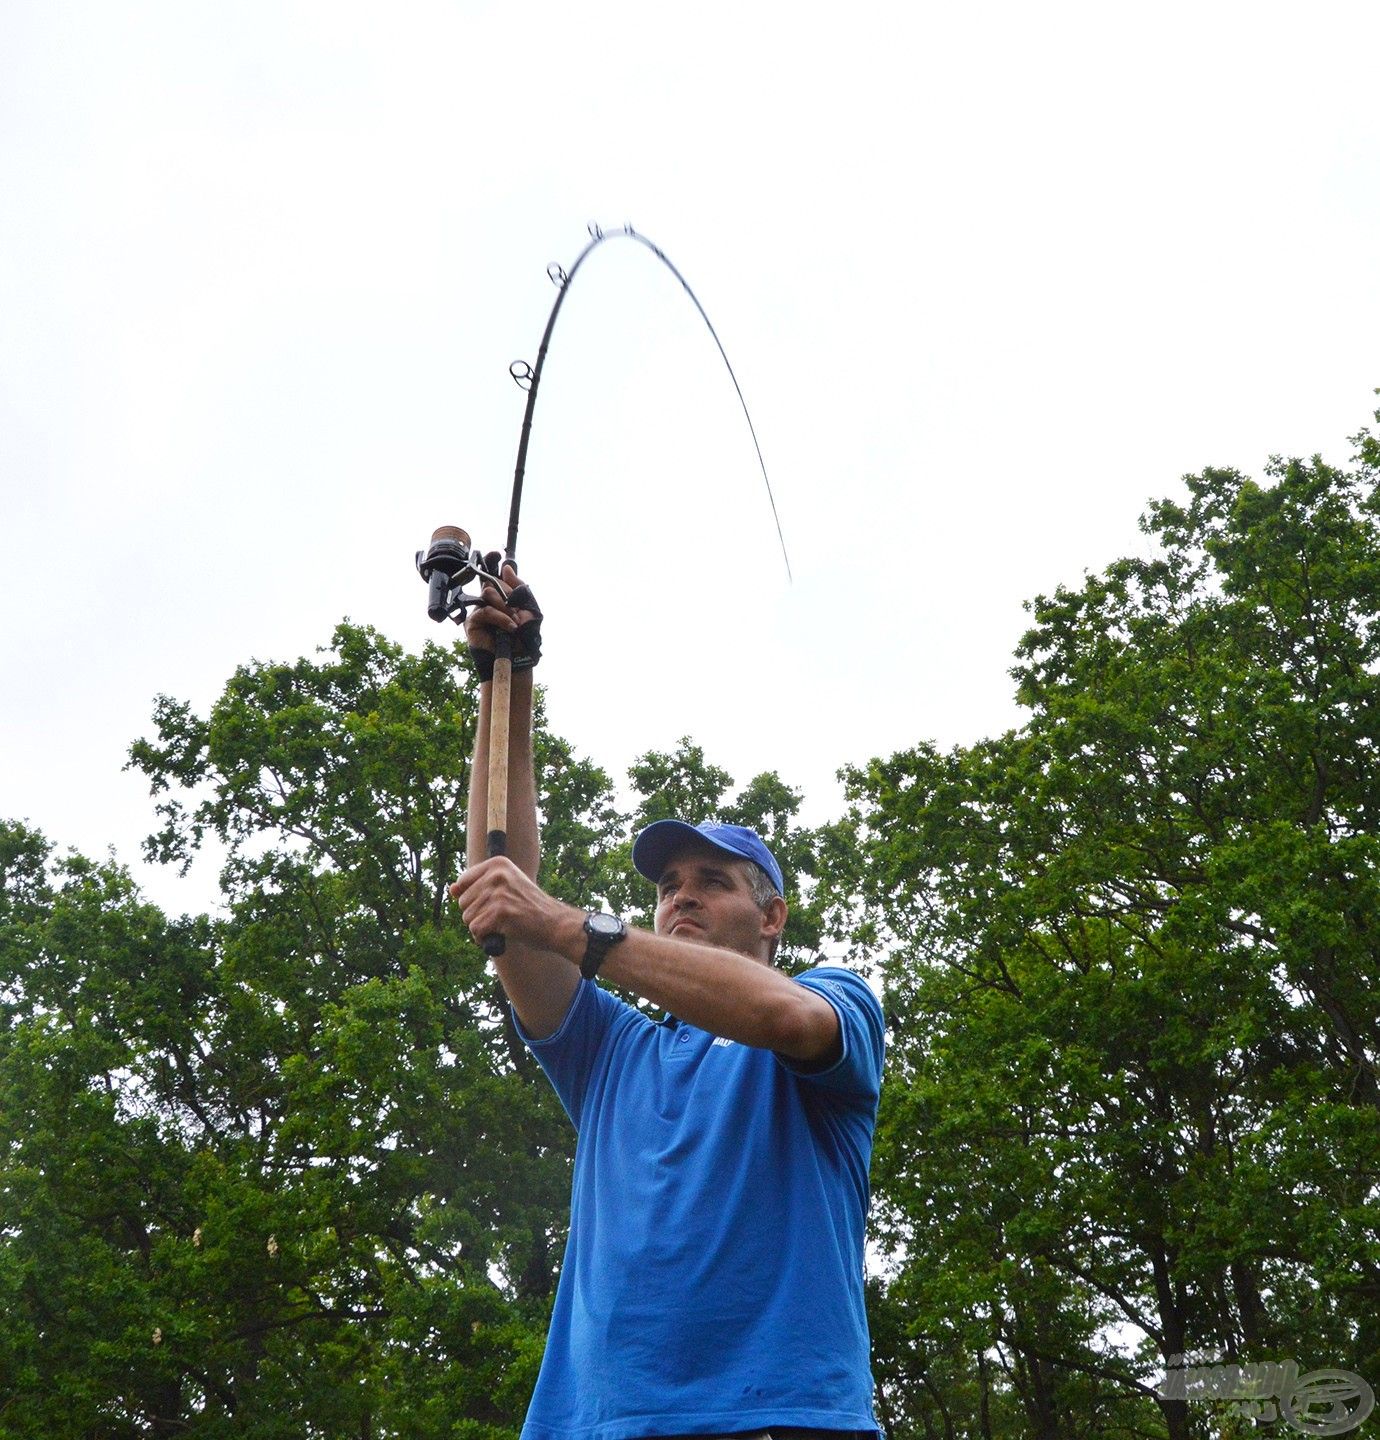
(990, 276)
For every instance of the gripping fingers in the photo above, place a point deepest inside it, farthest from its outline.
(473, 912)
(480, 629)
(491, 617)
(489, 896)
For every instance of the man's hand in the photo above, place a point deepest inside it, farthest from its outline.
(496, 898)
(517, 612)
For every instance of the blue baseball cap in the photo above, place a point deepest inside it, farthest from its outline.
(655, 845)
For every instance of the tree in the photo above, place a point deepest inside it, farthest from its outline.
(268, 1167)
(1134, 976)
(289, 1171)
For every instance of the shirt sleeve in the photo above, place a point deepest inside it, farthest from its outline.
(858, 1070)
(568, 1056)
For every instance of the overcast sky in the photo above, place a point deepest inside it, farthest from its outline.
(991, 277)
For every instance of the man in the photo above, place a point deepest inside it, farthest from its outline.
(712, 1282)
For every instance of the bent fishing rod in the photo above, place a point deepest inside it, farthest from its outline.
(451, 562)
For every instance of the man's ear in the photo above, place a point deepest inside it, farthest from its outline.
(774, 918)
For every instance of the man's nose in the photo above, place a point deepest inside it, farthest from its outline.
(683, 897)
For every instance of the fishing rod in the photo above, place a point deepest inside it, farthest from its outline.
(451, 562)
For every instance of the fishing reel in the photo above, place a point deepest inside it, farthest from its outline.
(447, 566)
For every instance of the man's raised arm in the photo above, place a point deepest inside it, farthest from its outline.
(539, 983)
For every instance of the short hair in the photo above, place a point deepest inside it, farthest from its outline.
(763, 891)
(760, 883)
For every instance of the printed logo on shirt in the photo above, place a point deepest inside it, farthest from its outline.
(722, 1040)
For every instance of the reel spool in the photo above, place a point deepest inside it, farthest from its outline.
(447, 564)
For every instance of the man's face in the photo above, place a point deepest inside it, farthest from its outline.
(704, 895)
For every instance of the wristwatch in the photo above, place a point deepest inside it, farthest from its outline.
(603, 932)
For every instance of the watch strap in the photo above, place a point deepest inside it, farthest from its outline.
(597, 946)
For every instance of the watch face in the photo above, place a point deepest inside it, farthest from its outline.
(605, 925)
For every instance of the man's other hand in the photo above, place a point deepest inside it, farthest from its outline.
(496, 898)
(515, 612)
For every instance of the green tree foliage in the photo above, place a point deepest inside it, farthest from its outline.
(1133, 973)
(287, 1171)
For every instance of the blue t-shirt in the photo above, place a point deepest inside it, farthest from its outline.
(713, 1278)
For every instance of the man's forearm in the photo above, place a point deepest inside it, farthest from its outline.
(717, 990)
(524, 844)
(538, 983)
